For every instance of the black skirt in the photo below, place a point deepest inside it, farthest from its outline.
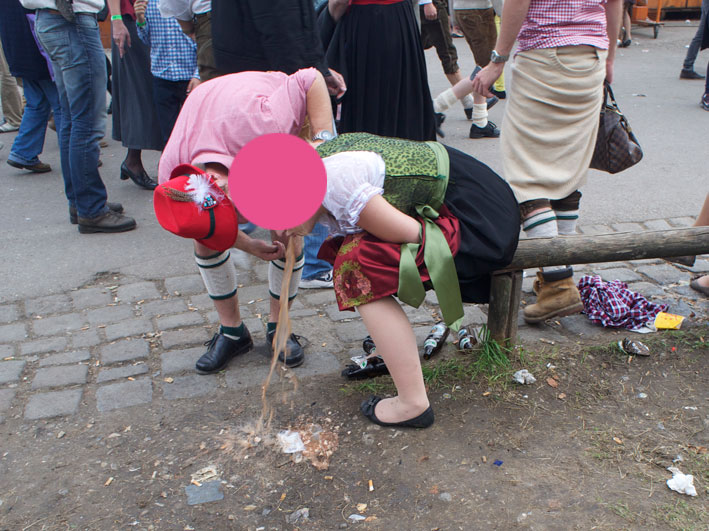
(377, 48)
(489, 223)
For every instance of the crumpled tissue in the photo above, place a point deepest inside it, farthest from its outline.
(682, 483)
(524, 377)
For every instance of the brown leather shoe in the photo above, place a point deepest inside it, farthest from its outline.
(555, 298)
(74, 216)
(40, 167)
(109, 222)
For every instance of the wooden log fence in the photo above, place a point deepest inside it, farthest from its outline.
(506, 289)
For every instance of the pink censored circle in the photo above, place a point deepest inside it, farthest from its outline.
(277, 181)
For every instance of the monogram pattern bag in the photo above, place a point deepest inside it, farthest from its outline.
(616, 146)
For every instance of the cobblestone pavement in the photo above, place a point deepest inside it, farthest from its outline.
(118, 342)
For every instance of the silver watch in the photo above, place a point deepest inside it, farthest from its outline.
(324, 135)
(497, 58)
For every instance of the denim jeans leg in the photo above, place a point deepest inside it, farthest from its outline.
(314, 266)
(80, 74)
(693, 49)
(29, 141)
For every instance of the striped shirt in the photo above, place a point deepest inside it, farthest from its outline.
(552, 23)
(173, 55)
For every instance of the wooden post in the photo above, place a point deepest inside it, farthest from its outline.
(505, 294)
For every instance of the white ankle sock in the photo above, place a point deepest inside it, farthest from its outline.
(566, 221)
(480, 114)
(467, 101)
(541, 225)
(444, 100)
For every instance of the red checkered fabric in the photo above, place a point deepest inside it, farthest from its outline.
(612, 304)
(552, 23)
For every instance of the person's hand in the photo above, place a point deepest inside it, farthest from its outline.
(139, 7)
(430, 11)
(335, 84)
(486, 77)
(120, 36)
(193, 84)
(337, 8)
(267, 251)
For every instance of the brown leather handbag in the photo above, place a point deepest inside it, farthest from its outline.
(616, 146)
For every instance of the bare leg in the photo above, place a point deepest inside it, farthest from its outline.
(702, 221)
(391, 331)
(228, 309)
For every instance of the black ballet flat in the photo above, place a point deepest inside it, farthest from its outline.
(375, 367)
(424, 420)
(142, 179)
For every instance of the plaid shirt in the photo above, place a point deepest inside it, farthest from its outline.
(552, 23)
(612, 304)
(173, 55)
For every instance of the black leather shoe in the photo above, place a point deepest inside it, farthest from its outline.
(109, 222)
(375, 367)
(424, 420)
(468, 112)
(294, 350)
(491, 102)
(489, 131)
(221, 350)
(74, 216)
(440, 118)
(501, 94)
(690, 74)
(142, 179)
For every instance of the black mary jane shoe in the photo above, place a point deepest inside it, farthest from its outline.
(295, 353)
(221, 350)
(375, 367)
(142, 179)
(424, 420)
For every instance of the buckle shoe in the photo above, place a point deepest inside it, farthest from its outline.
(294, 350)
(74, 216)
(221, 350)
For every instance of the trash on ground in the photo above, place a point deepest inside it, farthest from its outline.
(633, 348)
(497, 462)
(204, 474)
(298, 517)
(371, 486)
(208, 491)
(642, 395)
(356, 517)
(361, 507)
(682, 483)
(524, 377)
(691, 408)
(290, 441)
(551, 382)
(668, 321)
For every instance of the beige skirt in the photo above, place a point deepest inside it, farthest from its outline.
(551, 120)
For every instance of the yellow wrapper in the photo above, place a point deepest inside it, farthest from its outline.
(668, 321)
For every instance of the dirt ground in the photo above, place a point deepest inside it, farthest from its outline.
(585, 447)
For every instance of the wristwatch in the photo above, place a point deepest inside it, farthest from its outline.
(497, 58)
(323, 135)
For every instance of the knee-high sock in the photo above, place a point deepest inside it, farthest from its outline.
(218, 274)
(444, 100)
(275, 277)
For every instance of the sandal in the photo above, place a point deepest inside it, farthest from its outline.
(424, 420)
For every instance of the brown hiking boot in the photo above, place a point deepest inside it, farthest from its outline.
(556, 297)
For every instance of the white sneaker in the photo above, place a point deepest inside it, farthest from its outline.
(323, 280)
(7, 128)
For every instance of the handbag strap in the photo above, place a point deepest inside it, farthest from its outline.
(613, 106)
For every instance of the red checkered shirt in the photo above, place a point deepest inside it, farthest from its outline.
(552, 23)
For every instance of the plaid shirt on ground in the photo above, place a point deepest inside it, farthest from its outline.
(552, 23)
(612, 304)
(173, 55)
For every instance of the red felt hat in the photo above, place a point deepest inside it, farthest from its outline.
(191, 205)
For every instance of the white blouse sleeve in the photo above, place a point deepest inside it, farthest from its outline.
(353, 178)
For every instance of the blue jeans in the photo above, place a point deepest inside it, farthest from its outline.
(313, 266)
(41, 96)
(697, 40)
(80, 75)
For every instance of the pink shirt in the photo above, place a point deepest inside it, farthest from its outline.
(552, 23)
(225, 113)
